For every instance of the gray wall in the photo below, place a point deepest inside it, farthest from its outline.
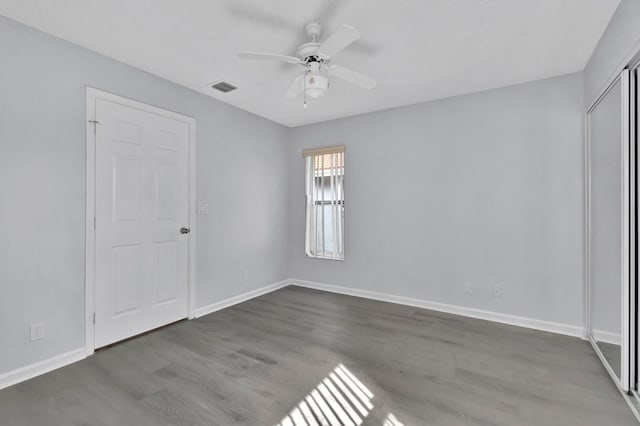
(42, 182)
(616, 46)
(486, 188)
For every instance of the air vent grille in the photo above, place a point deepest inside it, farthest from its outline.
(223, 86)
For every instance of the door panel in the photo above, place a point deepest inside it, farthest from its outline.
(127, 178)
(606, 214)
(611, 229)
(141, 278)
(127, 274)
(165, 191)
(166, 271)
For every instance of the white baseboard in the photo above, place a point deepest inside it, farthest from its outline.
(606, 337)
(209, 309)
(536, 324)
(30, 371)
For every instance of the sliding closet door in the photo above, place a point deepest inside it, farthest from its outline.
(610, 204)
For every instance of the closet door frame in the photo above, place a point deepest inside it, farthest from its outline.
(629, 240)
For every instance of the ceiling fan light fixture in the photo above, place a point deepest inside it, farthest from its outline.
(315, 85)
(316, 57)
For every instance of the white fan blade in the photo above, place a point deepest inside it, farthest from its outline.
(344, 36)
(294, 90)
(354, 77)
(269, 57)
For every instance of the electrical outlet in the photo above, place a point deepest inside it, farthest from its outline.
(497, 291)
(468, 287)
(37, 331)
(245, 275)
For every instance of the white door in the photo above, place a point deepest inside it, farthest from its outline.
(141, 256)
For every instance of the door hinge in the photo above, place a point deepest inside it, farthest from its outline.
(95, 124)
(94, 318)
(94, 223)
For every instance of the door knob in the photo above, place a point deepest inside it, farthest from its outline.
(185, 230)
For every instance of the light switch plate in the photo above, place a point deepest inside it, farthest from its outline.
(203, 208)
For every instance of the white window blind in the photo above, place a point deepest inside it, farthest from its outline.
(324, 187)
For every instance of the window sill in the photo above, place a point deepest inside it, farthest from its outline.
(324, 258)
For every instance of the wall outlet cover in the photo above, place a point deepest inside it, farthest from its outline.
(497, 290)
(37, 331)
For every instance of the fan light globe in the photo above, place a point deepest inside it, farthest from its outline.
(315, 85)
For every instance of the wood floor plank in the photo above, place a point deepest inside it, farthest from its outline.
(299, 353)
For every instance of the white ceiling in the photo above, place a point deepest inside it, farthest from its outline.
(418, 50)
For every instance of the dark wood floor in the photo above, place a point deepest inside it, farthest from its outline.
(283, 356)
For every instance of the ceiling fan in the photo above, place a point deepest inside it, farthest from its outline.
(316, 58)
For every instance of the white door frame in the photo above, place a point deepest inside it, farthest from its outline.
(92, 96)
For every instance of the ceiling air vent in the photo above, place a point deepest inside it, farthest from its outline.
(223, 86)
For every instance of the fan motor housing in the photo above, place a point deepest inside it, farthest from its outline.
(307, 52)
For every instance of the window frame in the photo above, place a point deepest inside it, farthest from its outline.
(336, 172)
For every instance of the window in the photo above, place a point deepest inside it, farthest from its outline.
(324, 187)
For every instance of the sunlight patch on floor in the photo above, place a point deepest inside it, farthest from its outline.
(339, 399)
(392, 421)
